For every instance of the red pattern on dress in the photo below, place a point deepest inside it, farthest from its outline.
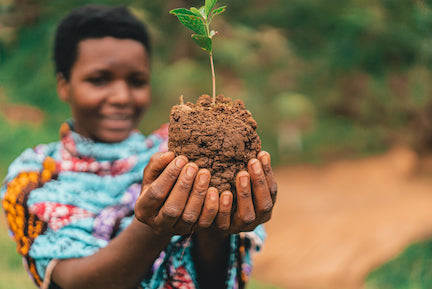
(58, 215)
(180, 280)
(73, 161)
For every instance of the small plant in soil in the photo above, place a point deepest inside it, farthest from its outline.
(215, 132)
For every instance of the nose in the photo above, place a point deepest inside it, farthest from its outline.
(121, 94)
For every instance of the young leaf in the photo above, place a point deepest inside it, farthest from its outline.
(213, 33)
(198, 20)
(218, 11)
(181, 11)
(195, 11)
(202, 11)
(193, 23)
(209, 4)
(203, 41)
(190, 20)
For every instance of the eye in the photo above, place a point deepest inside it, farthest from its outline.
(137, 82)
(100, 80)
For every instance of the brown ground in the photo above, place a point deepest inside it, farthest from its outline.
(334, 223)
(16, 113)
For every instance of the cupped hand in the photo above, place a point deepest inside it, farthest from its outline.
(175, 196)
(256, 196)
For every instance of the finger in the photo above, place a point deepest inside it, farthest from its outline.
(224, 214)
(261, 192)
(210, 209)
(156, 165)
(174, 206)
(154, 195)
(265, 159)
(245, 205)
(195, 202)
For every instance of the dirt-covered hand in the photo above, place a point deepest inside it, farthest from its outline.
(175, 196)
(256, 196)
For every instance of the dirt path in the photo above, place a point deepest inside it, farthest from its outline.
(334, 223)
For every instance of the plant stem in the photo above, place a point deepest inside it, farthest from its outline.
(213, 78)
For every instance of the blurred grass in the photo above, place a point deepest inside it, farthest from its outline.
(12, 272)
(412, 269)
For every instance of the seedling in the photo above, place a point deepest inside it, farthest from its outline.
(216, 133)
(198, 20)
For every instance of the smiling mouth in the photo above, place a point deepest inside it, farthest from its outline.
(118, 122)
(117, 117)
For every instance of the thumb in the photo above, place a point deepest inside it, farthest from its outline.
(155, 167)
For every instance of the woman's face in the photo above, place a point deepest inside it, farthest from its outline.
(109, 88)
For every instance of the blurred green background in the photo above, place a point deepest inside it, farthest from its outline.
(324, 79)
(340, 78)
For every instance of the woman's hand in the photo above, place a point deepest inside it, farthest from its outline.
(256, 196)
(175, 196)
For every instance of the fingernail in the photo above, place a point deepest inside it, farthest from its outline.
(180, 162)
(244, 181)
(265, 160)
(213, 195)
(164, 154)
(226, 199)
(256, 167)
(203, 179)
(190, 171)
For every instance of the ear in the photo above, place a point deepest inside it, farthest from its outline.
(62, 87)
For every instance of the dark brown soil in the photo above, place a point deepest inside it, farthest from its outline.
(221, 138)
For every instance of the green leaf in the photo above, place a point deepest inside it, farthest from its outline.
(209, 4)
(218, 11)
(203, 41)
(195, 11)
(202, 11)
(190, 20)
(181, 11)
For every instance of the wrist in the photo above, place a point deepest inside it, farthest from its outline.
(211, 264)
(215, 239)
(213, 235)
(139, 226)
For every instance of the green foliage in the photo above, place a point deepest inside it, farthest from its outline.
(191, 20)
(203, 41)
(17, 137)
(199, 20)
(409, 270)
(374, 36)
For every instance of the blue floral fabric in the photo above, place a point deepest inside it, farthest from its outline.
(68, 199)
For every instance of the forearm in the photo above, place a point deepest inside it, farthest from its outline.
(122, 264)
(210, 253)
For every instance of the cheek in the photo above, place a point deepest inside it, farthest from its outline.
(143, 100)
(85, 99)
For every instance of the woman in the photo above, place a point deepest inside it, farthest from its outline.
(83, 213)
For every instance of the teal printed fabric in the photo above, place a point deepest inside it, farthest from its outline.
(68, 199)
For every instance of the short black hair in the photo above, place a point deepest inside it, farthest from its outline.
(94, 21)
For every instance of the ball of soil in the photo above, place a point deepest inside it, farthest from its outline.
(220, 137)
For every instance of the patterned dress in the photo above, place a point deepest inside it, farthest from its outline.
(68, 199)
